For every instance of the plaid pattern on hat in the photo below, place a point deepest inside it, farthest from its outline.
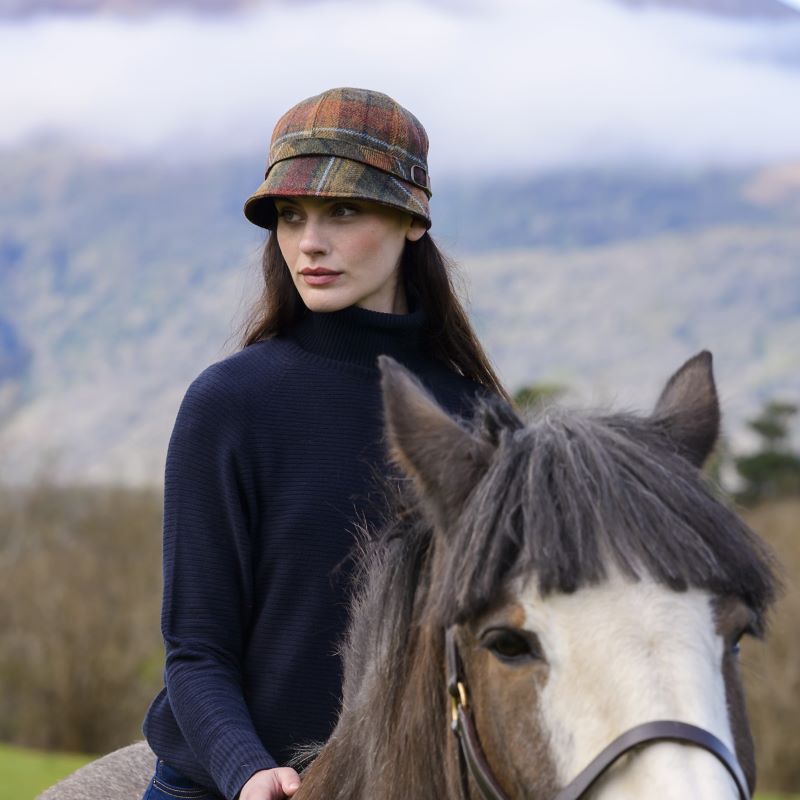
(346, 143)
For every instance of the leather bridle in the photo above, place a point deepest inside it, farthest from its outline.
(472, 761)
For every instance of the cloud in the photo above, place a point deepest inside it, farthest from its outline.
(515, 84)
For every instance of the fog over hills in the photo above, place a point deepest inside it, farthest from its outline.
(16, 9)
(119, 282)
(748, 9)
(557, 84)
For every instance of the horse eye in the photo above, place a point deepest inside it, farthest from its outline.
(509, 645)
(737, 642)
(753, 627)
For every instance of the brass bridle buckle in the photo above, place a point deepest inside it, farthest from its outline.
(458, 699)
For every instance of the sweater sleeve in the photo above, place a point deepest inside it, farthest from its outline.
(208, 581)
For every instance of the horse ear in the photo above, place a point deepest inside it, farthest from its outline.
(688, 409)
(444, 460)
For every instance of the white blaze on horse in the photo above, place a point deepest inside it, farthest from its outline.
(564, 594)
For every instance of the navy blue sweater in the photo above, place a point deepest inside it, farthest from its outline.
(272, 458)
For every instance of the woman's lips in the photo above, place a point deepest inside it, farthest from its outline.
(319, 278)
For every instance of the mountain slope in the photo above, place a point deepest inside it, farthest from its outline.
(120, 281)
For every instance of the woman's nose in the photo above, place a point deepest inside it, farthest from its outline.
(313, 239)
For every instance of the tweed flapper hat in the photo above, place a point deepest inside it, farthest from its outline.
(346, 143)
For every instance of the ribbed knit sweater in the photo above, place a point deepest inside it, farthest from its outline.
(272, 458)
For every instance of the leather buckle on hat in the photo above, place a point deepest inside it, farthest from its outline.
(419, 176)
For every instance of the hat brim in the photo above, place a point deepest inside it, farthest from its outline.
(332, 176)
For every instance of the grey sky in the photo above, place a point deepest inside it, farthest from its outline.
(507, 85)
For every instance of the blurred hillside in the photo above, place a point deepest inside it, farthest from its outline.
(120, 281)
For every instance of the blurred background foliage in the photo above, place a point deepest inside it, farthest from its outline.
(80, 647)
(773, 469)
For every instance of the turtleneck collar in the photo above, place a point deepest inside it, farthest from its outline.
(358, 336)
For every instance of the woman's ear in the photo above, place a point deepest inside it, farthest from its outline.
(416, 230)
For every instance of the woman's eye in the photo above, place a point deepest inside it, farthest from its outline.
(344, 210)
(288, 214)
(509, 645)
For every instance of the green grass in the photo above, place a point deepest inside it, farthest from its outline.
(25, 772)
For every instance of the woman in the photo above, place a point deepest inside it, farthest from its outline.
(275, 450)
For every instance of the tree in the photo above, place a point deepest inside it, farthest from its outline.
(774, 469)
(535, 395)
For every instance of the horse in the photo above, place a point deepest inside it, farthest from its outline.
(552, 610)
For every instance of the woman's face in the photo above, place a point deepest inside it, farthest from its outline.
(343, 252)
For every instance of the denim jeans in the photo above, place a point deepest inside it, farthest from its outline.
(169, 784)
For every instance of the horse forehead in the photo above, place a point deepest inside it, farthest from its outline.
(622, 653)
(634, 609)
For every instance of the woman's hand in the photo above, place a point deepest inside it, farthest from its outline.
(271, 784)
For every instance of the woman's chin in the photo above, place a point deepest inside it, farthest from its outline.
(321, 301)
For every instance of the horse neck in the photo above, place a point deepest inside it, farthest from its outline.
(392, 738)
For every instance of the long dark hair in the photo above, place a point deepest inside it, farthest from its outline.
(427, 274)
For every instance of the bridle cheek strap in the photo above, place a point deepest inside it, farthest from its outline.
(472, 761)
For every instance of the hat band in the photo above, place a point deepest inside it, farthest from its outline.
(317, 146)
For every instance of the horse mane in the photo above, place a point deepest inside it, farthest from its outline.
(388, 741)
(570, 494)
(566, 496)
